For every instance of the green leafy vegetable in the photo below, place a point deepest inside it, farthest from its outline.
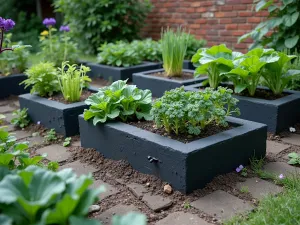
(21, 118)
(190, 112)
(50, 136)
(294, 158)
(67, 141)
(119, 100)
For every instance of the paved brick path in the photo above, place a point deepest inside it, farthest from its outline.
(218, 205)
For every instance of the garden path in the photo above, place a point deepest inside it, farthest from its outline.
(225, 197)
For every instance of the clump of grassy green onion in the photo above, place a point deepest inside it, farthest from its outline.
(174, 46)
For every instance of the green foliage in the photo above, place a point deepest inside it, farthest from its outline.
(53, 166)
(244, 172)
(1, 118)
(67, 141)
(294, 64)
(94, 22)
(173, 46)
(283, 20)
(44, 197)
(244, 189)
(214, 62)
(15, 155)
(148, 49)
(72, 81)
(57, 47)
(294, 158)
(119, 100)
(193, 45)
(119, 54)
(190, 112)
(50, 136)
(13, 61)
(43, 79)
(21, 118)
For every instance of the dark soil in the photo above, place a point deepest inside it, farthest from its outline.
(60, 98)
(208, 131)
(184, 76)
(100, 82)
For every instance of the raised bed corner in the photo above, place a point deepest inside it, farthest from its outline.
(10, 85)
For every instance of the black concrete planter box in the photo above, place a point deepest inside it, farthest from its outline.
(9, 85)
(158, 85)
(186, 167)
(52, 114)
(119, 73)
(278, 114)
(187, 64)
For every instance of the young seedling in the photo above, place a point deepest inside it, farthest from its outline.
(294, 158)
(244, 189)
(50, 136)
(187, 205)
(67, 142)
(21, 118)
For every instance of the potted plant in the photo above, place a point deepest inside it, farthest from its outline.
(118, 61)
(271, 104)
(174, 46)
(182, 134)
(57, 96)
(13, 61)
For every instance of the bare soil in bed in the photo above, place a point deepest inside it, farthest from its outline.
(60, 98)
(184, 76)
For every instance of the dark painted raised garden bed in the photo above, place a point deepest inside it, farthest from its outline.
(119, 73)
(9, 85)
(187, 64)
(278, 114)
(185, 166)
(52, 114)
(158, 85)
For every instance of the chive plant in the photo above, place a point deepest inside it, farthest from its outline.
(174, 46)
(72, 81)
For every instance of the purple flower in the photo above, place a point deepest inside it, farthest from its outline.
(49, 22)
(281, 176)
(38, 122)
(64, 28)
(239, 169)
(6, 24)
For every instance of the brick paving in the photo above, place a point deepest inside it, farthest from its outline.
(219, 204)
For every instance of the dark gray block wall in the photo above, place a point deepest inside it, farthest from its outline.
(9, 85)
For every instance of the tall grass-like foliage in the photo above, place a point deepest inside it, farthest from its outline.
(174, 46)
(72, 80)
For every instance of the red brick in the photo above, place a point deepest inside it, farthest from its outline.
(225, 21)
(245, 14)
(226, 8)
(254, 20)
(201, 9)
(246, 1)
(201, 21)
(225, 14)
(245, 26)
(237, 33)
(189, 10)
(195, 4)
(239, 7)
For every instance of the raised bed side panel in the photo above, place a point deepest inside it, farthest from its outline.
(9, 85)
(187, 64)
(119, 73)
(243, 145)
(112, 141)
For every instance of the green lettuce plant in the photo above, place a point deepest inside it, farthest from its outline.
(149, 49)
(72, 80)
(119, 100)
(21, 118)
(15, 155)
(119, 54)
(179, 112)
(294, 64)
(214, 62)
(44, 197)
(173, 46)
(42, 78)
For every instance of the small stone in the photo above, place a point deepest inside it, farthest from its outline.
(94, 208)
(148, 184)
(168, 189)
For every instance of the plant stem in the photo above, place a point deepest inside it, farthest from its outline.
(1, 43)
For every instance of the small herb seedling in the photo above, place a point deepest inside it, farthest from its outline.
(244, 172)
(50, 136)
(21, 118)
(187, 205)
(244, 189)
(294, 158)
(53, 166)
(67, 142)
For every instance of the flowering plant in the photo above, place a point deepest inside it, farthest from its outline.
(5, 25)
(57, 47)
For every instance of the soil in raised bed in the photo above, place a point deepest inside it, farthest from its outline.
(184, 76)
(60, 98)
(209, 130)
(259, 93)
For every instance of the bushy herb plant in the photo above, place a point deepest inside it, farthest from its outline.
(119, 54)
(214, 62)
(93, 22)
(57, 47)
(193, 45)
(72, 81)
(183, 112)
(15, 155)
(50, 136)
(119, 100)
(283, 21)
(42, 78)
(21, 118)
(173, 46)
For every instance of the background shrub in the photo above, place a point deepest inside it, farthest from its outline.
(94, 22)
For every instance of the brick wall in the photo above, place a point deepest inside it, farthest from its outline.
(217, 21)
